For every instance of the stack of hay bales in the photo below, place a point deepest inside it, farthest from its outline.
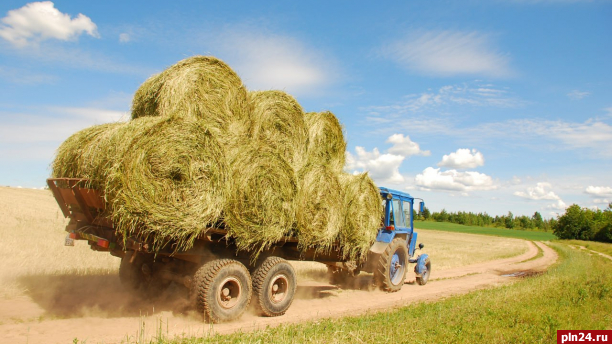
(202, 152)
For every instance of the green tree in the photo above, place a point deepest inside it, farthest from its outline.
(537, 220)
(576, 223)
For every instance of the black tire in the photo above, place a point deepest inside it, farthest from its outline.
(221, 290)
(274, 284)
(390, 271)
(425, 275)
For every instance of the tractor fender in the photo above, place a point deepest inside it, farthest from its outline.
(420, 264)
(379, 247)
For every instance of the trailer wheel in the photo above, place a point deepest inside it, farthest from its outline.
(390, 271)
(274, 284)
(221, 290)
(425, 275)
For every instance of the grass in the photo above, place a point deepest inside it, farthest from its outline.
(574, 294)
(502, 232)
(592, 245)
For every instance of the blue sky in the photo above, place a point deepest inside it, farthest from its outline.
(496, 106)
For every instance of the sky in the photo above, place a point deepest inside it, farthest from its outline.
(478, 105)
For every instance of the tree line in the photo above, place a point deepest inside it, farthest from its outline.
(575, 223)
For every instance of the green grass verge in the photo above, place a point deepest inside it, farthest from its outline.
(502, 232)
(574, 294)
(602, 247)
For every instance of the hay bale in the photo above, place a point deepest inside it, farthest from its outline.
(278, 121)
(87, 154)
(319, 205)
(363, 212)
(261, 208)
(171, 183)
(326, 144)
(201, 87)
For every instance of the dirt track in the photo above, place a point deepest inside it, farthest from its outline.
(94, 308)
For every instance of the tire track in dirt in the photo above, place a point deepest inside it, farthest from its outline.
(23, 320)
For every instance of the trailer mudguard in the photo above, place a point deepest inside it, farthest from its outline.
(420, 267)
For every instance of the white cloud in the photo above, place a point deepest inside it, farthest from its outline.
(452, 180)
(538, 192)
(268, 61)
(559, 205)
(64, 122)
(382, 167)
(124, 37)
(602, 201)
(577, 95)
(599, 190)
(39, 21)
(463, 158)
(470, 94)
(402, 145)
(449, 53)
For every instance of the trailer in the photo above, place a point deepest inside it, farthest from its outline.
(221, 280)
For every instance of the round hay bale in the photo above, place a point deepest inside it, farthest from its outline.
(200, 87)
(171, 183)
(278, 121)
(326, 144)
(87, 154)
(261, 208)
(363, 212)
(319, 205)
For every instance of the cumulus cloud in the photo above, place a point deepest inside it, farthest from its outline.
(577, 95)
(601, 201)
(447, 53)
(463, 158)
(402, 145)
(559, 205)
(269, 61)
(599, 190)
(453, 180)
(40, 21)
(538, 192)
(382, 167)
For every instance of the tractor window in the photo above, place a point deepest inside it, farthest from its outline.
(397, 212)
(407, 212)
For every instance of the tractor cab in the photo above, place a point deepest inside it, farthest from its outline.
(398, 217)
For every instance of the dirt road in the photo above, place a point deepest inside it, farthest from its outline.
(96, 309)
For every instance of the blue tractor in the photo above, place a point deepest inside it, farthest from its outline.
(395, 244)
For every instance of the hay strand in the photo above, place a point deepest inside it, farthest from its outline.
(199, 87)
(319, 207)
(261, 208)
(326, 144)
(278, 121)
(362, 215)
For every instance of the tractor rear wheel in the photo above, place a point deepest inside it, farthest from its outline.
(221, 290)
(390, 271)
(274, 284)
